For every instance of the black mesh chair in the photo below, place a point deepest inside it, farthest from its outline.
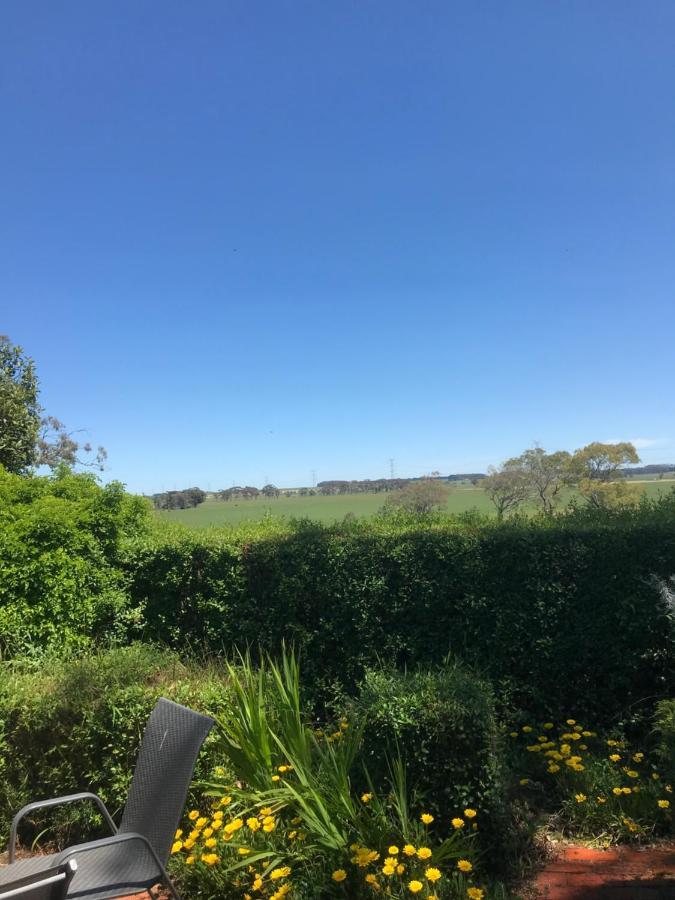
(134, 857)
(51, 884)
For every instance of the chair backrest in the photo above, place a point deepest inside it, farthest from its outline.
(164, 768)
(48, 884)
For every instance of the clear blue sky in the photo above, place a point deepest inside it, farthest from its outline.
(248, 240)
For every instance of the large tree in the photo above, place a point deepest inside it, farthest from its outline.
(545, 473)
(506, 487)
(598, 471)
(28, 437)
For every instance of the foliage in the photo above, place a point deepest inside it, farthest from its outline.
(19, 408)
(419, 497)
(186, 499)
(27, 436)
(61, 583)
(76, 724)
(443, 724)
(596, 786)
(559, 611)
(665, 731)
(290, 819)
(507, 488)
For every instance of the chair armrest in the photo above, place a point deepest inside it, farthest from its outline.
(55, 801)
(120, 837)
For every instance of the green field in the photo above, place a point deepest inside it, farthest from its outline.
(461, 498)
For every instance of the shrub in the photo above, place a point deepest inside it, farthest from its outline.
(76, 725)
(61, 583)
(443, 724)
(665, 731)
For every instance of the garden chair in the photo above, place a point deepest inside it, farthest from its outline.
(51, 884)
(134, 857)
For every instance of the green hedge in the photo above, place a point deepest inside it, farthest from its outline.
(562, 615)
(77, 724)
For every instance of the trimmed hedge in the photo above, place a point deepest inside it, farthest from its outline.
(561, 615)
(77, 724)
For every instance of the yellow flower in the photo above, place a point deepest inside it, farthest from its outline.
(571, 721)
(366, 798)
(524, 781)
(664, 804)
(218, 814)
(178, 834)
(283, 872)
(388, 869)
(553, 768)
(548, 725)
(464, 865)
(339, 875)
(580, 798)
(400, 869)
(527, 729)
(415, 887)
(177, 847)
(283, 769)
(253, 824)
(457, 823)
(409, 850)
(244, 851)
(655, 776)
(616, 791)
(193, 815)
(431, 874)
(276, 777)
(201, 822)
(626, 790)
(513, 734)
(210, 843)
(669, 789)
(266, 811)
(189, 860)
(208, 832)
(632, 773)
(393, 850)
(470, 813)
(614, 757)
(269, 826)
(601, 800)
(424, 853)
(210, 858)
(474, 893)
(427, 818)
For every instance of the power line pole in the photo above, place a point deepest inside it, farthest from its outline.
(313, 478)
(391, 467)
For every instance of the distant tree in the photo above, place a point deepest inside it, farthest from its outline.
(597, 469)
(545, 473)
(507, 488)
(419, 497)
(28, 437)
(270, 490)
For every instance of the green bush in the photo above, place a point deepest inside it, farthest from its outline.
(561, 613)
(61, 583)
(665, 732)
(444, 726)
(76, 725)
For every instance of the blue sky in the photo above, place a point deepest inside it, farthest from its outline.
(245, 240)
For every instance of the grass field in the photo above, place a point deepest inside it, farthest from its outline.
(461, 498)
